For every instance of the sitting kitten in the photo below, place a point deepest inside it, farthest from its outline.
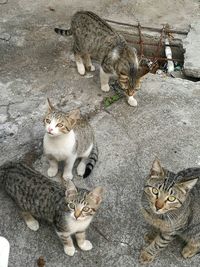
(70, 210)
(171, 203)
(68, 137)
(95, 38)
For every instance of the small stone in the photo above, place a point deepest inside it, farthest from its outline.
(5, 36)
(3, 118)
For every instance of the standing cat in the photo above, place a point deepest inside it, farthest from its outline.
(68, 137)
(70, 210)
(171, 204)
(95, 38)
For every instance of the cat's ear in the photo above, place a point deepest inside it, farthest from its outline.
(96, 195)
(50, 106)
(186, 186)
(71, 190)
(73, 116)
(156, 169)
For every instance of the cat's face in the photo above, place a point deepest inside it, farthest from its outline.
(83, 205)
(126, 68)
(58, 123)
(163, 192)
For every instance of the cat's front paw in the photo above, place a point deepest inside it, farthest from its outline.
(105, 87)
(81, 69)
(145, 257)
(33, 225)
(52, 172)
(92, 68)
(86, 245)
(132, 101)
(67, 176)
(69, 250)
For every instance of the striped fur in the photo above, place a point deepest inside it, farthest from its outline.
(171, 203)
(91, 162)
(68, 208)
(95, 39)
(63, 32)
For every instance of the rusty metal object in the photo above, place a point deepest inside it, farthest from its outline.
(148, 28)
(140, 41)
(160, 44)
(165, 59)
(152, 44)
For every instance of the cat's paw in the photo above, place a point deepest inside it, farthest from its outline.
(145, 257)
(189, 251)
(67, 176)
(81, 168)
(92, 68)
(52, 172)
(132, 101)
(105, 87)
(81, 69)
(87, 245)
(33, 225)
(69, 250)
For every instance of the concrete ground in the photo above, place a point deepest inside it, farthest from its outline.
(35, 64)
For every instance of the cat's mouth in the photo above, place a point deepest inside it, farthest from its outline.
(49, 133)
(159, 212)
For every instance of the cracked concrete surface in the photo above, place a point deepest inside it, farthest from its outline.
(36, 64)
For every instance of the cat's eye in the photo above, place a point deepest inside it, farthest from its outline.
(59, 125)
(86, 209)
(155, 191)
(171, 198)
(48, 121)
(71, 206)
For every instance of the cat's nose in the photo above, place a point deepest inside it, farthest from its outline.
(159, 205)
(50, 129)
(77, 214)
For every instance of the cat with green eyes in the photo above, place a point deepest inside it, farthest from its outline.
(68, 208)
(171, 204)
(68, 137)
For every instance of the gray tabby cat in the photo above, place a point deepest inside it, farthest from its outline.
(69, 209)
(68, 137)
(171, 204)
(95, 38)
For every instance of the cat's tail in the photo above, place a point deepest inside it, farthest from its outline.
(63, 32)
(92, 159)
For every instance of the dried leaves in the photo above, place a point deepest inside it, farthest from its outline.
(41, 262)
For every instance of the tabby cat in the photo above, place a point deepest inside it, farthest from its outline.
(68, 137)
(95, 38)
(171, 204)
(69, 209)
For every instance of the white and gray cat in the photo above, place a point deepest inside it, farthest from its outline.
(68, 208)
(69, 137)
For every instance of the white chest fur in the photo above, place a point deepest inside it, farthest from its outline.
(78, 226)
(60, 147)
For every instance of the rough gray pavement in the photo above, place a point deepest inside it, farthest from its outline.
(191, 45)
(36, 64)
